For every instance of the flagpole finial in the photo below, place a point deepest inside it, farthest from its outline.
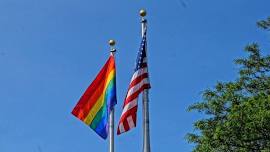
(111, 42)
(143, 13)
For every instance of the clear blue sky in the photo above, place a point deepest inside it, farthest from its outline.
(51, 50)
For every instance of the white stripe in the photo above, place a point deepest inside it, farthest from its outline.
(130, 122)
(137, 86)
(138, 73)
(129, 106)
(121, 127)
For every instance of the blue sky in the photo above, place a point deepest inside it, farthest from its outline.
(51, 50)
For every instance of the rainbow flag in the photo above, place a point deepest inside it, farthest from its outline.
(98, 100)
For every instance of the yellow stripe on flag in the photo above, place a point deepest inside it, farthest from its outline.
(92, 113)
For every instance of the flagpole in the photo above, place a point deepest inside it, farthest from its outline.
(111, 117)
(146, 129)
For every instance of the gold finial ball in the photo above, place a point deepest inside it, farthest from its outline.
(111, 42)
(143, 13)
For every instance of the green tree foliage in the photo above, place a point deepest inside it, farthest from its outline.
(238, 112)
(264, 24)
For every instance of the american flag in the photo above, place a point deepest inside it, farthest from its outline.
(138, 83)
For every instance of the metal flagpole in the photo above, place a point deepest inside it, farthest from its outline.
(146, 130)
(111, 120)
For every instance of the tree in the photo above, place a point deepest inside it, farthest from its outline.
(264, 24)
(238, 112)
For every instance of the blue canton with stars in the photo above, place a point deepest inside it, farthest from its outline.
(141, 54)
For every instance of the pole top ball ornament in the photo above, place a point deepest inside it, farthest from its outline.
(111, 42)
(143, 13)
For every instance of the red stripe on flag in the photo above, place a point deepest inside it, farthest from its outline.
(136, 94)
(132, 112)
(138, 80)
(93, 92)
